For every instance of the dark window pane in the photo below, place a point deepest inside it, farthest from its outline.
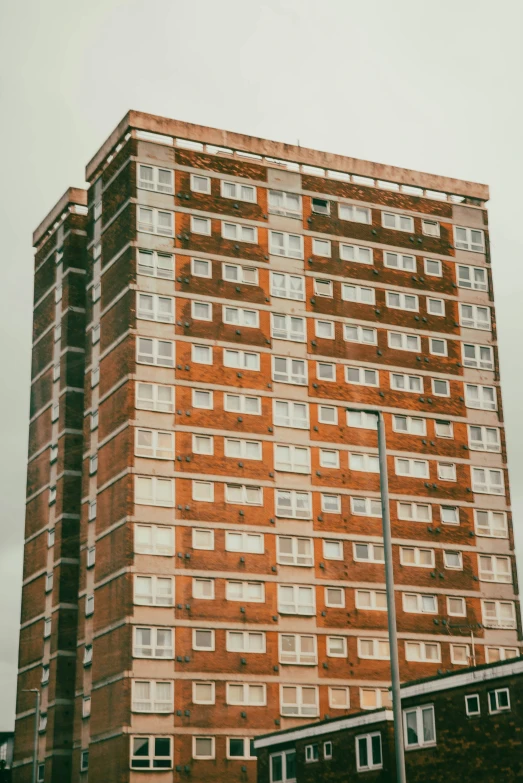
(291, 764)
(162, 746)
(362, 752)
(376, 749)
(276, 769)
(140, 746)
(236, 747)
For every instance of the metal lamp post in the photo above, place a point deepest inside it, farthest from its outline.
(391, 606)
(35, 746)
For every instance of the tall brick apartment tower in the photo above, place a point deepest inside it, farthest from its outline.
(204, 561)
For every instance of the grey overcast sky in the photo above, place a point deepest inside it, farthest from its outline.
(430, 86)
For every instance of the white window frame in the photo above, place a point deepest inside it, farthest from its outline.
(155, 269)
(154, 451)
(397, 219)
(246, 637)
(289, 330)
(157, 597)
(243, 314)
(482, 443)
(482, 402)
(293, 512)
(157, 358)
(404, 339)
(468, 242)
(241, 274)
(152, 499)
(321, 247)
(208, 267)
(347, 289)
(289, 375)
(298, 604)
(303, 559)
(354, 213)
(409, 425)
(153, 227)
(494, 573)
(198, 646)
(284, 249)
(156, 705)
(400, 261)
(242, 398)
(498, 621)
(478, 363)
(364, 375)
(243, 359)
(287, 291)
(408, 380)
(400, 462)
(369, 750)
(157, 546)
(211, 699)
(487, 486)
(421, 742)
(472, 284)
(205, 181)
(422, 648)
(245, 496)
(199, 495)
(502, 531)
(239, 188)
(290, 419)
(369, 503)
(285, 209)
(167, 761)
(244, 545)
(417, 557)
(201, 311)
(375, 656)
(403, 299)
(356, 253)
(374, 555)
(298, 708)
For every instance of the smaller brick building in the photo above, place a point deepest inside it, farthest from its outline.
(460, 726)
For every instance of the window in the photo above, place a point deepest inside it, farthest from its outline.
(493, 568)
(368, 751)
(327, 414)
(484, 438)
(296, 599)
(152, 178)
(453, 559)
(96, 294)
(241, 360)
(241, 403)
(335, 597)
(469, 239)
(312, 753)
(201, 311)
(323, 288)
(330, 504)
(366, 507)
(158, 352)
(321, 247)
(404, 342)
(42, 724)
(291, 414)
(329, 458)
(200, 184)
(246, 495)
(246, 693)
(150, 396)
(247, 275)
(336, 647)
(362, 255)
(288, 245)
(238, 191)
(498, 700)
(474, 316)
(420, 603)
(202, 399)
(93, 423)
(400, 301)
(415, 556)
(327, 750)
(203, 748)
(203, 491)
(299, 700)
(154, 443)
(91, 557)
(324, 329)
(283, 767)
(93, 465)
(332, 550)
(284, 286)
(155, 264)
(444, 429)
(377, 649)
(354, 213)
(435, 306)
(47, 627)
(152, 696)
(456, 606)
(88, 655)
(325, 371)
(40, 773)
(367, 463)
(473, 277)
(201, 267)
(409, 424)
(151, 753)
(440, 388)
(362, 420)
(84, 761)
(95, 376)
(438, 347)
(320, 206)
(359, 334)
(286, 204)
(480, 397)
(91, 512)
(203, 693)
(50, 537)
(414, 512)
(240, 748)
(245, 641)
(375, 698)
(488, 481)
(360, 376)
(396, 221)
(293, 504)
(430, 227)
(369, 553)
(425, 652)
(449, 515)
(53, 454)
(375, 600)
(472, 705)
(419, 727)
(201, 225)
(244, 542)
(95, 334)
(250, 592)
(55, 412)
(45, 675)
(238, 316)
(155, 221)
(203, 589)
(153, 491)
(399, 261)
(480, 357)
(498, 614)
(410, 383)
(446, 471)
(202, 639)
(288, 370)
(358, 293)
(339, 698)
(288, 327)
(491, 523)
(202, 539)
(494, 654)
(243, 449)
(153, 590)
(52, 495)
(292, 459)
(416, 468)
(48, 582)
(292, 550)
(89, 605)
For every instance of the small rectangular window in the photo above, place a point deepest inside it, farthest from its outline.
(472, 705)
(368, 752)
(397, 221)
(238, 191)
(419, 727)
(498, 701)
(472, 277)
(354, 213)
(469, 239)
(200, 184)
(239, 232)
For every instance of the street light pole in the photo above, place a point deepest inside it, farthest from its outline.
(391, 606)
(35, 744)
